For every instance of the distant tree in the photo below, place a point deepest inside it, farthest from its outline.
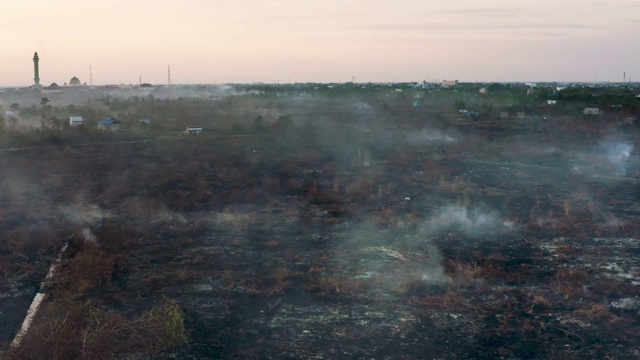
(238, 129)
(283, 123)
(495, 87)
(487, 110)
(308, 134)
(459, 105)
(258, 124)
(545, 93)
(54, 123)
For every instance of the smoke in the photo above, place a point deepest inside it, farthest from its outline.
(89, 236)
(472, 222)
(86, 215)
(409, 255)
(610, 157)
(234, 218)
(23, 192)
(618, 154)
(429, 137)
(432, 273)
(389, 259)
(81, 213)
(23, 124)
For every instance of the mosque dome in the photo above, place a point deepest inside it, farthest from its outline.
(74, 81)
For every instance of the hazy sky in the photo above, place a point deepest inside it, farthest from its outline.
(206, 41)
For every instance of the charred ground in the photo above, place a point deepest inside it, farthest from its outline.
(360, 232)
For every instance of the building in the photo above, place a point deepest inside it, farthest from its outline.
(189, 130)
(464, 114)
(109, 124)
(147, 87)
(51, 89)
(74, 81)
(447, 83)
(517, 112)
(76, 120)
(12, 113)
(592, 110)
(144, 123)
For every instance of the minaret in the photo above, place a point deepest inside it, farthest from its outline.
(36, 72)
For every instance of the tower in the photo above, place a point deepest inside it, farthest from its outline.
(168, 75)
(36, 72)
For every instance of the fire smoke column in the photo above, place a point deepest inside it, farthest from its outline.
(36, 71)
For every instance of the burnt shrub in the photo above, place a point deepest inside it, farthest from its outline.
(84, 330)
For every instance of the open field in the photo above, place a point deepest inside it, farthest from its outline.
(345, 236)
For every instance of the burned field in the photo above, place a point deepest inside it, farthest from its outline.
(338, 242)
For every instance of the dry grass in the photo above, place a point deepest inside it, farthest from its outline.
(451, 301)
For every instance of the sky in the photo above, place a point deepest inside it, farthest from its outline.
(245, 41)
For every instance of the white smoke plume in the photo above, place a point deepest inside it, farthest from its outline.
(430, 137)
(471, 222)
(81, 213)
(618, 154)
(610, 157)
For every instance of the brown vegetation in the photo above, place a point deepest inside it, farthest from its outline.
(292, 244)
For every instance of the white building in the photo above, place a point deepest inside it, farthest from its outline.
(592, 110)
(76, 120)
(192, 130)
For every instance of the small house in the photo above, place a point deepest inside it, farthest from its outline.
(75, 120)
(189, 130)
(518, 112)
(109, 124)
(468, 114)
(144, 123)
(592, 110)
